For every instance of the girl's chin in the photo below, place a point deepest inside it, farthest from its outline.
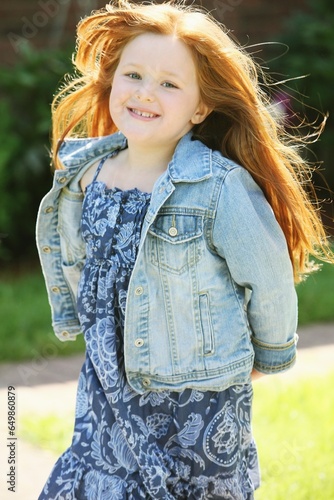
(135, 136)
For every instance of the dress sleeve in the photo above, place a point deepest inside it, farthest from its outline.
(247, 235)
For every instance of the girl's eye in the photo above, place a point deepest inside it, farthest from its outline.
(169, 85)
(134, 76)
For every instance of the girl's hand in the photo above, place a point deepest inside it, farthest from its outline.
(256, 375)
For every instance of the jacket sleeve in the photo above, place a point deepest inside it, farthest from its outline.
(62, 253)
(247, 234)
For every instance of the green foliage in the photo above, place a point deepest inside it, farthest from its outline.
(316, 296)
(310, 38)
(294, 433)
(25, 328)
(26, 92)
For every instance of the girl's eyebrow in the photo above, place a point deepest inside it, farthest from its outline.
(163, 72)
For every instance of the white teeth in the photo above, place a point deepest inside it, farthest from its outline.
(143, 113)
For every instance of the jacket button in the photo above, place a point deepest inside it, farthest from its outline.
(65, 334)
(172, 231)
(139, 342)
(48, 210)
(146, 382)
(139, 290)
(46, 249)
(62, 180)
(55, 289)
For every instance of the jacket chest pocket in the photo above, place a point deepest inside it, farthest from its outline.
(175, 242)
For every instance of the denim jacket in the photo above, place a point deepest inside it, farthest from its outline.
(211, 294)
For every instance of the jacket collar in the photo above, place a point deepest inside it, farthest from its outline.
(191, 161)
(73, 152)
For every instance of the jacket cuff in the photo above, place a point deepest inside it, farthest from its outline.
(67, 331)
(274, 358)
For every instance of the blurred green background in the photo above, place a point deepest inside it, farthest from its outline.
(40, 46)
(27, 83)
(291, 421)
(29, 80)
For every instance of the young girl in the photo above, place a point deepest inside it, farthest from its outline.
(172, 237)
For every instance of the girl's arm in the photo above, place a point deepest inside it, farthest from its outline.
(250, 239)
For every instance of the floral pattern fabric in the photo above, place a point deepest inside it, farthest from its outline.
(159, 445)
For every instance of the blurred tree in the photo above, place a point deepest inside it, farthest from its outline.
(310, 38)
(26, 92)
(25, 95)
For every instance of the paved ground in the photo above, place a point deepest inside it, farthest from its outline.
(48, 386)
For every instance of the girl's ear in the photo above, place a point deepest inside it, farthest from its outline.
(200, 114)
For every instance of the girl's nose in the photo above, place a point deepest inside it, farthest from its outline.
(145, 93)
(144, 97)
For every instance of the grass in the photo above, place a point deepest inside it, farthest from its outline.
(25, 328)
(49, 432)
(292, 424)
(294, 431)
(316, 297)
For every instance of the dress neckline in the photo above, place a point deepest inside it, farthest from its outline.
(104, 188)
(115, 189)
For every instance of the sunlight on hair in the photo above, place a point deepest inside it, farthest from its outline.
(243, 125)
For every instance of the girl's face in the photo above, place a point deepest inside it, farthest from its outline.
(155, 97)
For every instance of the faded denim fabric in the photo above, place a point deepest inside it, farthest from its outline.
(212, 285)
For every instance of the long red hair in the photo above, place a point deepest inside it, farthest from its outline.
(241, 125)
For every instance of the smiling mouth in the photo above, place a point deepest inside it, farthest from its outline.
(144, 114)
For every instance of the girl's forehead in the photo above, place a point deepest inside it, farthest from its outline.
(154, 43)
(158, 50)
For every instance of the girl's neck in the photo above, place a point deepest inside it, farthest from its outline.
(137, 158)
(136, 167)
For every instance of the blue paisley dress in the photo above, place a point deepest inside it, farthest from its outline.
(159, 445)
